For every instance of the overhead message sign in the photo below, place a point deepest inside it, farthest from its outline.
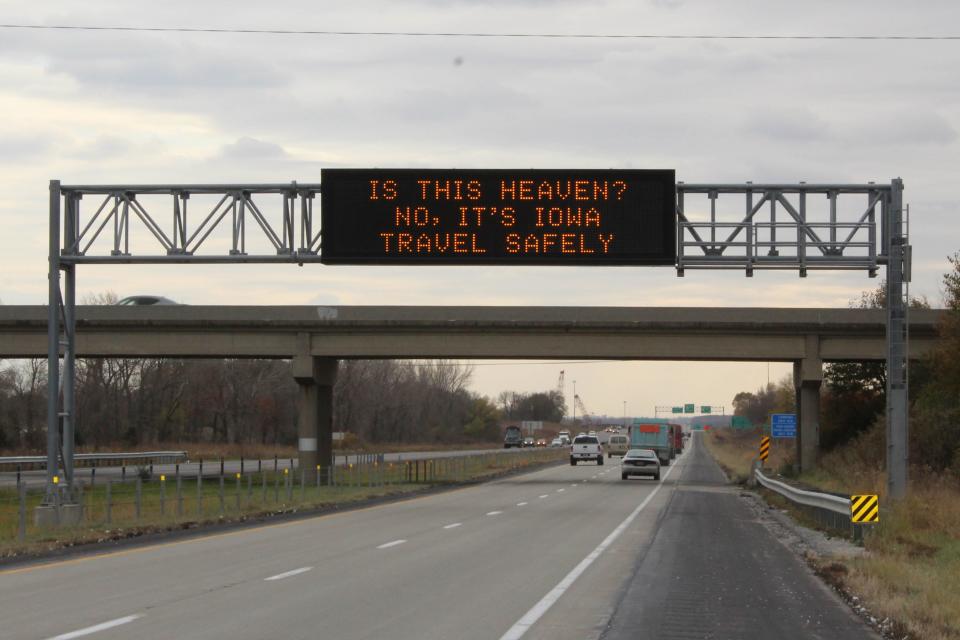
(498, 216)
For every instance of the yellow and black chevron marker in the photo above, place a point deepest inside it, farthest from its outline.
(764, 448)
(865, 508)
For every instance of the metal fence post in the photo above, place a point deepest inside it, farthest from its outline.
(276, 487)
(200, 492)
(263, 492)
(223, 508)
(109, 499)
(239, 476)
(22, 512)
(139, 496)
(163, 495)
(179, 494)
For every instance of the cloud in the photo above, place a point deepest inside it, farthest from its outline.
(788, 125)
(247, 148)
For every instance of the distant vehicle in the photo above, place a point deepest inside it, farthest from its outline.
(592, 433)
(542, 442)
(143, 301)
(513, 437)
(653, 436)
(640, 462)
(676, 432)
(529, 442)
(565, 436)
(586, 448)
(557, 442)
(618, 445)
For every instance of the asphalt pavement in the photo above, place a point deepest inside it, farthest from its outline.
(564, 552)
(714, 571)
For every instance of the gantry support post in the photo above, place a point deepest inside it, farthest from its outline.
(53, 347)
(897, 403)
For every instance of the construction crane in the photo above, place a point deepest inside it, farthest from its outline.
(583, 409)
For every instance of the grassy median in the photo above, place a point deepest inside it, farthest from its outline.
(131, 509)
(911, 574)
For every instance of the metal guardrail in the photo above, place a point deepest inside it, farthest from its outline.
(157, 457)
(829, 510)
(826, 501)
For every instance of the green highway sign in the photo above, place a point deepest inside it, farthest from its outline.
(704, 409)
(689, 408)
(678, 410)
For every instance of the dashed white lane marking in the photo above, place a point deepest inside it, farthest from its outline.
(560, 490)
(494, 513)
(103, 626)
(545, 496)
(392, 543)
(521, 626)
(287, 574)
(520, 504)
(452, 526)
(574, 484)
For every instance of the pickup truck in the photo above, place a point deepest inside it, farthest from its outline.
(586, 448)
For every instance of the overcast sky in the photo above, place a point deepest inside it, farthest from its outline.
(111, 107)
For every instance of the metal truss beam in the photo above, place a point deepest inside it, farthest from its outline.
(719, 226)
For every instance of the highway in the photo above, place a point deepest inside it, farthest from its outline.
(565, 552)
(211, 466)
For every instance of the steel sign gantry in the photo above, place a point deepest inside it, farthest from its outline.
(739, 226)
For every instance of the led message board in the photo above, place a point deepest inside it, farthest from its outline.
(498, 216)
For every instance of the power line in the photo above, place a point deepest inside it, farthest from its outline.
(474, 34)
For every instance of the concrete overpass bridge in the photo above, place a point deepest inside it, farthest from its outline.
(315, 338)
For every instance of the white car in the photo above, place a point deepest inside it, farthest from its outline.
(586, 448)
(556, 442)
(640, 462)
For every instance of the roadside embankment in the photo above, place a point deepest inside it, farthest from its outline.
(911, 571)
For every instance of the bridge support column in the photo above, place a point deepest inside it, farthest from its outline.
(807, 379)
(315, 379)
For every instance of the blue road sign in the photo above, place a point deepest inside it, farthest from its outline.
(783, 425)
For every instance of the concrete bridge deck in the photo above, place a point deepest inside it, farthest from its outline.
(620, 333)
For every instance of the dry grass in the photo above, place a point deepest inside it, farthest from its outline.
(912, 573)
(735, 450)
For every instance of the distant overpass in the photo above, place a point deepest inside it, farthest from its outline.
(316, 337)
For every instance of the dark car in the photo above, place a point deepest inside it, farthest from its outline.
(141, 301)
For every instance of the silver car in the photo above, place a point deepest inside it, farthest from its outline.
(640, 462)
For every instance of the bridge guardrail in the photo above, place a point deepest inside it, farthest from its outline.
(157, 457)
(829, 510)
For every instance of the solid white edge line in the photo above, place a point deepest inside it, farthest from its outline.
(287, 574)
(392, 543)
(103, 626)
(521, 626)
(560, 490)
(452, 526)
